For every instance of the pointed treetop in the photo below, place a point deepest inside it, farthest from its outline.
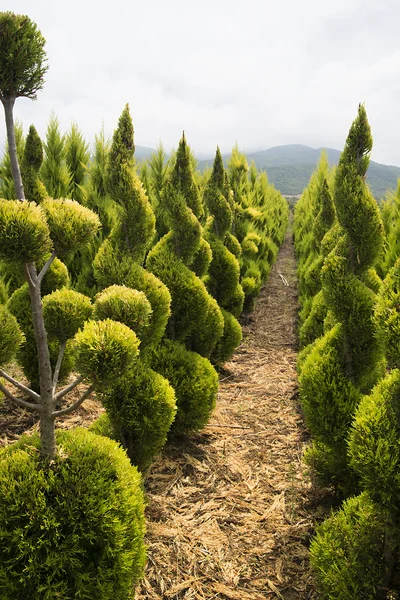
(358, 143)
(218, 175)
(182, 178)
(33, 153)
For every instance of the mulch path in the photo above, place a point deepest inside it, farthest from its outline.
(230, 511)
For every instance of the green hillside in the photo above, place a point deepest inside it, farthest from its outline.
(289, 168)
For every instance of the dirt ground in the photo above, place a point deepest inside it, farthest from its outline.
(230, 511)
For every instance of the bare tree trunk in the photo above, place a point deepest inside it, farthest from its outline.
(47, 424)
(8, 104)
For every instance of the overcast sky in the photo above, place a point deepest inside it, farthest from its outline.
(258, 72)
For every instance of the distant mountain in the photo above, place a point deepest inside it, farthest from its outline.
(142, 152)
(290, 167)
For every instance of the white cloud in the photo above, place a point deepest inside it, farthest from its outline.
(261, 73)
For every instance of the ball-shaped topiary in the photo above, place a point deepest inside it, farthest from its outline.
(195, 382)
(71, 225)
(105, 350)
(24, 233)
(65, 312)
(73, 528)
(125, 305)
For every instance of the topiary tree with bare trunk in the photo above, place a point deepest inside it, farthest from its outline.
(23, 65)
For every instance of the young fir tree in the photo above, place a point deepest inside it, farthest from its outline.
(22, 69)
(54, 171)
(347, 361)
(314, 217)
(77, 159)
(196, 322)
(142, 407)
(83, 497)
(222, 279)
(31, 163)
(158, 175)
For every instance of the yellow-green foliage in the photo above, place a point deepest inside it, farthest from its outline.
(194, 380)
(105, 351)
(74, 527)
(387, 314)
(141, 407)
(24, 233)
(313, 326)
(125, 305)
(347, 552)
(65, 311)
(34, 189)
(230, 340)
(19, 305)
(375, 442)
(11, 336)
(71, 225)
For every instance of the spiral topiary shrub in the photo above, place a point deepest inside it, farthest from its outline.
(347, 552)
(195, 383)
(73, 528)
(347, 361)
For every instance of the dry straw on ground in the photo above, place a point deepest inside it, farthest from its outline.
(228, 512)
(228, 509)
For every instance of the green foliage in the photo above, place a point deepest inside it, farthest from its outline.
(230, 340)
(387, 314)
(194, 380)
(11, 335)
(76, 158)
(32, 159)
(54, 171)
(329, 398)
(24, 233)
(22, 57)
(182, 180)
(7, 187)
(375, 442)
(141, 407)
(65, 312)
(313, 326)
(74, 528)
(105, 351)
(71, 224)
(125, 305)
(347, 553)
(191, 307)
(136, 228)
(19, 305)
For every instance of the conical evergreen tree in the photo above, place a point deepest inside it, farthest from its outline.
(54, 171)
(347, 361)
(31, 163)
(142, 407)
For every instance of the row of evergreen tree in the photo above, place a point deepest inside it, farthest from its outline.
(349, 278)
(148, 270)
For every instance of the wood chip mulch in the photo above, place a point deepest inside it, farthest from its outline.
(229, 510)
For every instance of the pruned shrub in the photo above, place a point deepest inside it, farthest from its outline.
(73, 528)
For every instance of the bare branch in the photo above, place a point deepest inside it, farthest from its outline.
(75, 405)
(67, 389)
(19, 401)
(58, 365)
(20, 386)
(46, 267)
(27, 267)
